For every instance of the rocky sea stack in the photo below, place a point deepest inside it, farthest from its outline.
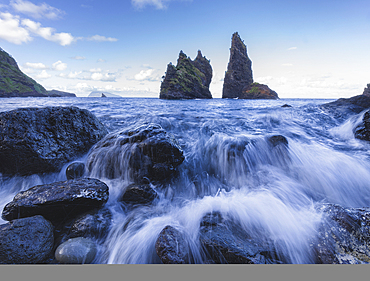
(188, 80)
(239, 77)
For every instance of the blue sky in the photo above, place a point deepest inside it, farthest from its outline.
(300, 49)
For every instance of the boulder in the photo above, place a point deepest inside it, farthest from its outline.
(188, 80)
(42, 140)
(343, 108)
(171, 247)
(75, 170)
(139, 194)
(76, 251)
(286, 105)
(145, 153)
(258, 91)
(26, 241)
(278, 140)
(362, 131)
(58, 201)
(343, 236)
(224, 242)
(239, 70)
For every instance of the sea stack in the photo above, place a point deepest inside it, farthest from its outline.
(239, 70)
(188, 80)
(238, 82)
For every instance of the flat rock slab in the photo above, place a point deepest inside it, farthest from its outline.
(58, 201)
(42, 140)
(26, 241)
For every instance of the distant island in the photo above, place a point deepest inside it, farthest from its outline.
(99, 94)
(14, 83)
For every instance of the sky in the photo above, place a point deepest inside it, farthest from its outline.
(299, 48)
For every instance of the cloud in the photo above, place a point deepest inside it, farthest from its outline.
(59, 65)
(287, 64)
(158, 4)
(292, 48)
(78, 58)
(11, 31)
(145, 75)
(100, 60)
(35, 65)
(48, 33)
(92, 74)
(71, 75)
(43, 75)
(100, 38)
(39, 11)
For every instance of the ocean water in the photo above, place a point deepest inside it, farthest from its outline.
(229, 168)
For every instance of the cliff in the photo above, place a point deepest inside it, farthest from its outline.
(14, 83)
(56, 93)
(188, 80)
(239, 70)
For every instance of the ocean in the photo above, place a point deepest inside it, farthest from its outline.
(229, 168)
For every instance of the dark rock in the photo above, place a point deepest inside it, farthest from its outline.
(362, 131)
(171, 247)
(342, 108)
(188, 80)
(56, 93)
(239, 70)
(26, 241)
(367, 91)
(42, 140)
(258, 91)
(224, 242)
(103, 96)
(58, 201)
(343, 235)
(139, 194)
(76, 251)
(14, 83)
(146, 153)
(286, 105)
(278, 140)
(75, 170)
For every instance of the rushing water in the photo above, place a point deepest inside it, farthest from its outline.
(229, 168)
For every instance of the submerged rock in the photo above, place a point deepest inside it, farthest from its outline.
(171, 247)
(42, 140)
(258, 91)
(239, 70)
(286, 105)
(224, 242)
(139, 194)
(343, 236)
(75, 170)
(188, 80)
(142, 154)
(76, 251)
(278, 140)
(26, 241)
(58, 201)
(362, 131)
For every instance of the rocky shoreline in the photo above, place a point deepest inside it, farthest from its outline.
(65, 221)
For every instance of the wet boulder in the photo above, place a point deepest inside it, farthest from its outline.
(42, 140)
(76, 251)
(171, 247)
(139, 194)
(26, 241)
(362, 131)
(224, 242)
(286, 105)
(58, 201)
(75, 170)
(278, 140)
(147, 153)
(343, 236)
(345, 107)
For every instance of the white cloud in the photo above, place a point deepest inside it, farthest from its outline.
(78, 58)
(43, 75)
(95, 70)
(35, 65)
(287, 64)
(158, 4)
(96, 76)
(292, 48)
(100, 60)
(11, 31)
(42, 10)
(48, 33)
(100, 38)
(144, 75)
(71, 75)
(59, 66)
